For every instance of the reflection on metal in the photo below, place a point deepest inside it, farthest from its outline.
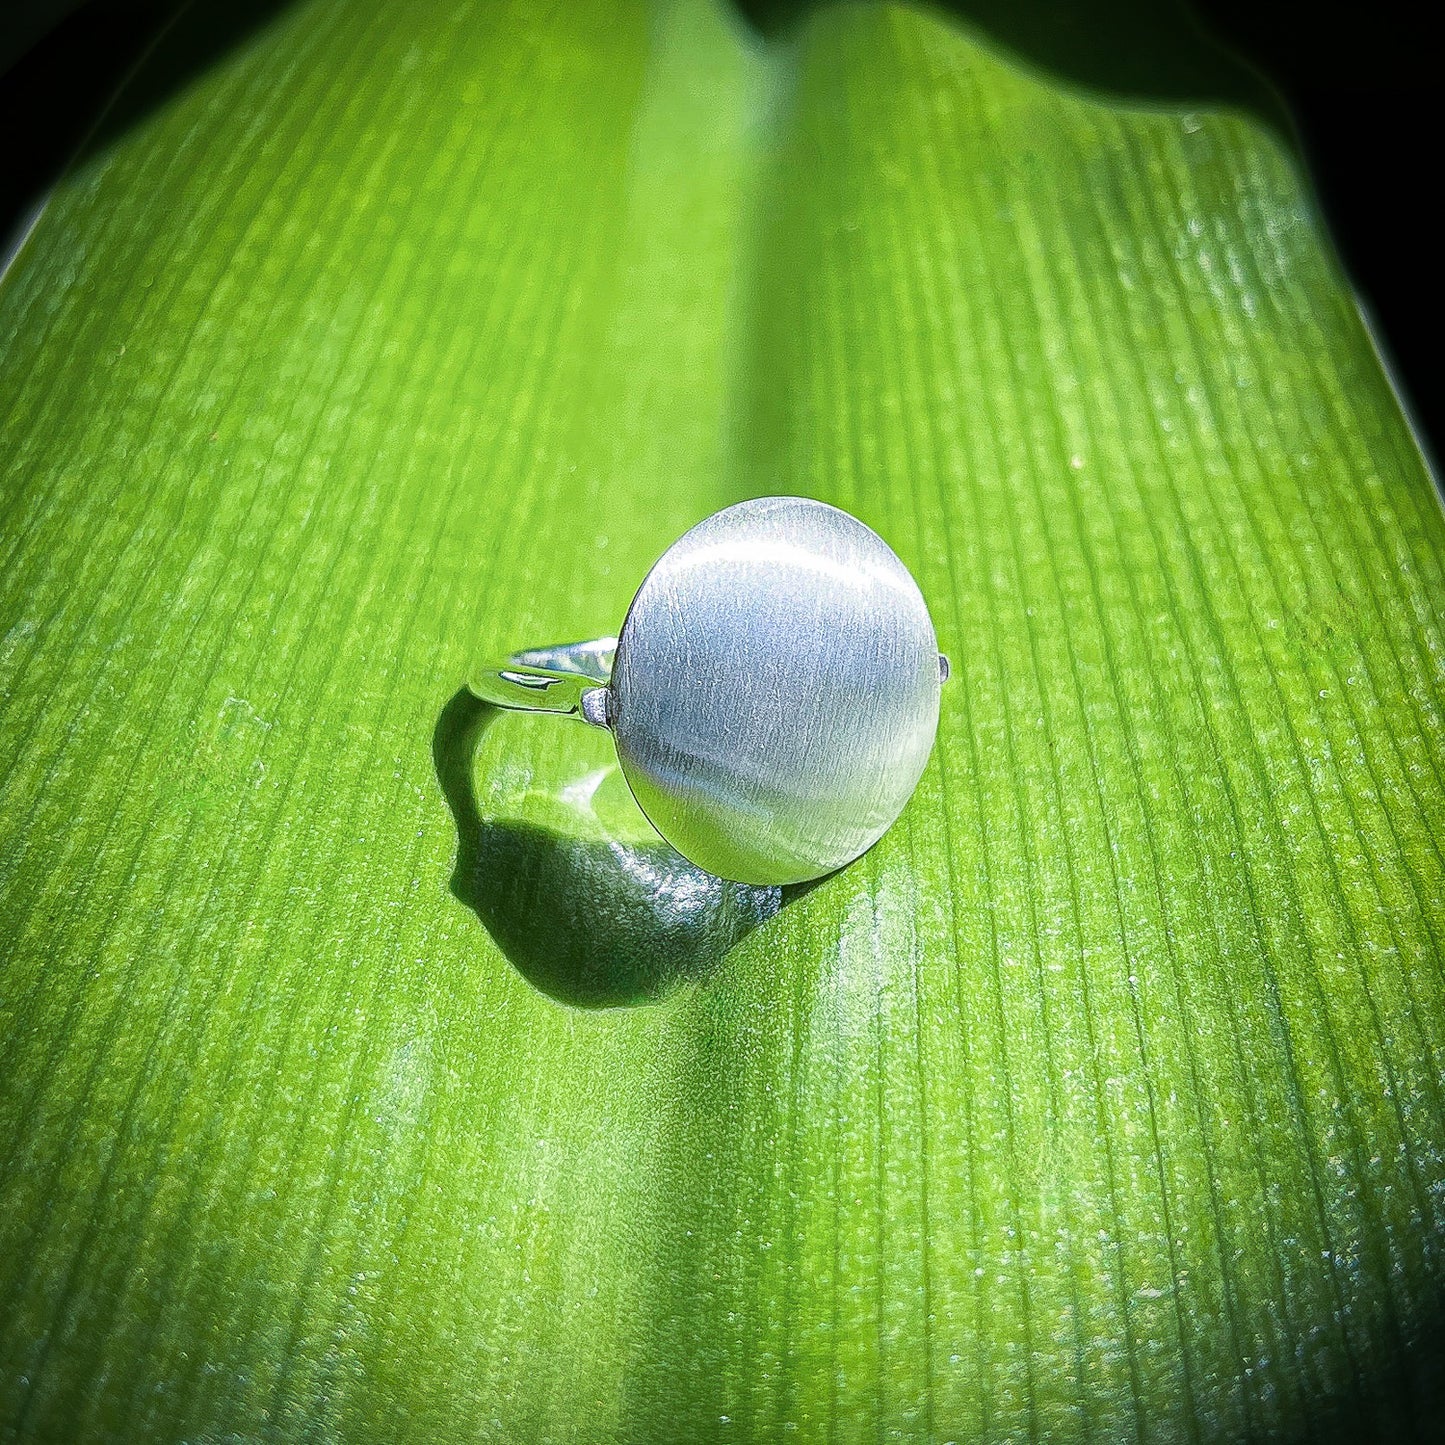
(549, 679)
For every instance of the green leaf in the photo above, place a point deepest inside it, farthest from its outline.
(1102, 1100)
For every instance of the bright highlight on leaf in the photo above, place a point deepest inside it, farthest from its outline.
(1103, 1100)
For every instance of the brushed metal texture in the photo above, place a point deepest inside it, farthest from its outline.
(775, 693)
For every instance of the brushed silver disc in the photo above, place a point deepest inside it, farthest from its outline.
(775, 693)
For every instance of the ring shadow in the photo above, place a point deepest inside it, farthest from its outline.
(591, 922)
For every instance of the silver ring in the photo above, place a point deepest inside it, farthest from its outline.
(773, 693)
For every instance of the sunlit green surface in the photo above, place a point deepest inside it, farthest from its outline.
(1103, 1100)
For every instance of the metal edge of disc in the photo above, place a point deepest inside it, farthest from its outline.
(623, 632)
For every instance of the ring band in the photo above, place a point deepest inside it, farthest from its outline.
(569, 679)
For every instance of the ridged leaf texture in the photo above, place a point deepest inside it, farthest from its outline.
(1102, 1101)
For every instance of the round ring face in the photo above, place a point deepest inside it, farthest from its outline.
(775, 693)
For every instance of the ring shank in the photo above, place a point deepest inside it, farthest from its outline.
(553, 679)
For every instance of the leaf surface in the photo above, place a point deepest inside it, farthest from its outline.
(1102, 1100)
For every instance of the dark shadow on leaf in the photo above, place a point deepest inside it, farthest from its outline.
(78, 76)
(107, 64)
(593, 923)
(1146, 53)
(186, 45)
